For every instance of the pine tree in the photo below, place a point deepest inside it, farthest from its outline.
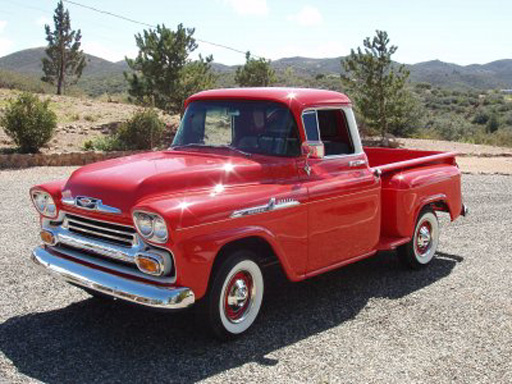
(163, 74)
(65, 60)
(379, 87)
(255, 73)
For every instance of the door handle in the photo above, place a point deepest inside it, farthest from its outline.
(356, 163)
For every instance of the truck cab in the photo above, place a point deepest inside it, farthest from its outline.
(254, 176)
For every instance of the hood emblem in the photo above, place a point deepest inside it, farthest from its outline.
(86, 202)
(90, 203)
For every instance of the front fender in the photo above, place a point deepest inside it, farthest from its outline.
(196, 249)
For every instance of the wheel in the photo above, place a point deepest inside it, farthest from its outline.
(420, 251)
(234, 298)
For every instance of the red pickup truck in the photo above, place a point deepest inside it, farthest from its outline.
(254, 176)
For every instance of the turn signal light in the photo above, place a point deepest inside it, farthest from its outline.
(149, 264)
(48, 238)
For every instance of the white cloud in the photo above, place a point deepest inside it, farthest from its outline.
(100, 50)
(43, 20)
(5, 43)
(5, 46)
(248, 7)
(308, 16)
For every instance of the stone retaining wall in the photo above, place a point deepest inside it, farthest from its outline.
(19, 160)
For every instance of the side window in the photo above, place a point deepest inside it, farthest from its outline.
(334, 132)
(311, 125)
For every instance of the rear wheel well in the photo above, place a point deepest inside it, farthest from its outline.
(439, 205)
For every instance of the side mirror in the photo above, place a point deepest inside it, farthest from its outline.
(313, 149)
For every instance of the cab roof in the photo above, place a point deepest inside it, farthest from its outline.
(297, 99)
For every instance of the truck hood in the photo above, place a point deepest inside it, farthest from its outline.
(125, 182)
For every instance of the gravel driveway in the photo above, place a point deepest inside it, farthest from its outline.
(370, 322)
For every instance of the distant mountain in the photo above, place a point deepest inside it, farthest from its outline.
(29, 61)
(497, 74)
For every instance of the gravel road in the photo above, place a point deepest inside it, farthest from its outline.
(370, 322)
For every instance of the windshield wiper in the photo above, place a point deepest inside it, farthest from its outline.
(175, 147)
(235, 149)
(200, 145)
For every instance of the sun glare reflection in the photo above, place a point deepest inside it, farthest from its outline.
(219, 188)
(228, 167)
(184, 205)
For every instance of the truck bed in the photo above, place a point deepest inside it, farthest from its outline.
(393, 159)
(412, 179)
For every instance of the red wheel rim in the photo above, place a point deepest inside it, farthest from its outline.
(238, 296)
(423, 238)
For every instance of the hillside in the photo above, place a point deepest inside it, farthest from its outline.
(79, 119)
(99, 76)
(29, 61)
(102, 76)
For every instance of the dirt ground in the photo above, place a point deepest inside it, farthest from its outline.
(370, 322)
(479, 159)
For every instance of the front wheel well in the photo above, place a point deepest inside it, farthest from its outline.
(260, 247)
(263, 250)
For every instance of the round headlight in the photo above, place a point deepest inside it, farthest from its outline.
(150, 226)
(44, 203)
(144, 223)
(160, 229)
(40, 200)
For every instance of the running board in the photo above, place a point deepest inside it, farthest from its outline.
(390, 243)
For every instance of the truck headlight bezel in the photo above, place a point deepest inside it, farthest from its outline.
(44, 203)
(151, 226)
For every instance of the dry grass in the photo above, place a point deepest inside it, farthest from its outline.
(79, 120)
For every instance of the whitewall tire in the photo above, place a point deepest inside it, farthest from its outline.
(235, 296)
(420, 251)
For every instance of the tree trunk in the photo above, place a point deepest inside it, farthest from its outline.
(62, 66)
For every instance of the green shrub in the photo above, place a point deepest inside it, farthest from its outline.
(142, 132)
(493, 124)
(102, 143)
(481, 117)
(29, 122)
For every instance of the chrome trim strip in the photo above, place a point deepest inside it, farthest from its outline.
(97, 205)
(356, 163)
(112, 285)
(272, 205)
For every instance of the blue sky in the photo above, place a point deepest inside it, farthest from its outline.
(462, 32)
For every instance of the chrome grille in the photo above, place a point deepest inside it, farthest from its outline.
(100, 230)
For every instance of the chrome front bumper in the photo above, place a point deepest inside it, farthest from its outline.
(112, 285)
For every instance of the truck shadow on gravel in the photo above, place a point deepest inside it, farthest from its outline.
(94, 341)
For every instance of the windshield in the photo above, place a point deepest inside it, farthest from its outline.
(249, 126)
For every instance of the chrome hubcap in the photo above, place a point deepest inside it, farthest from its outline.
(238, 296)
(424, 238)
